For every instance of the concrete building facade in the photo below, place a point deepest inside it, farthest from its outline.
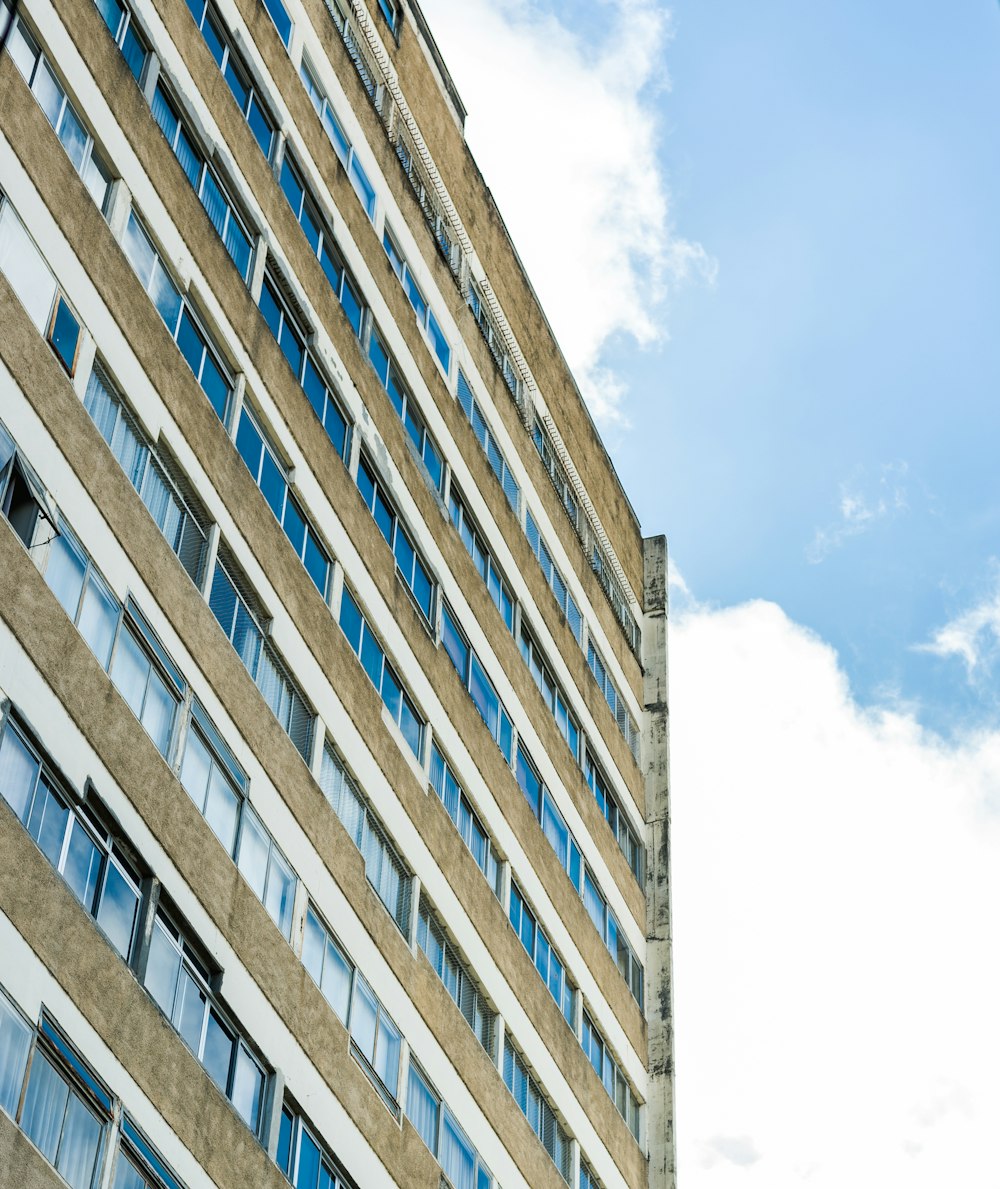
(334, 811)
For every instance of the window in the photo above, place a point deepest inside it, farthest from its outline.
(338, 138)
(611, 1076)
(218, 206)
(173, 506)
(495, 340)
(408, 562)
(373, 659)
(385, 869)
(323, 244)
(291, 339)
(460, 811)
(65, 1111)
(83, 594)
(31, 279)
(551, 693)
(600, 560)
(376, 1042)
(480, 688)
(266, 870)
(557, 473)
(127, 37)
(219, 786)
(235, 73)
(439, 1130)
(235, 607)
(625, 721)
(119, 637)
(452, 971)
(52, 99)
(302, 1158)
(83, 852)
(331, 969)
(15, 1044)
(146, 678)
(627, 839)
(536, 1108)
(139, 1165)
(178, 981)
(388, 10)
(212, 778)
(402, 402)
(282, 21)
(269, 475)
(551, 820)
(540, 951)
(425, 315)
(482, 558)
(588, 1178)
(23, 502)
(488, 442)
(202, 357)
(606, 924)
(554, 578)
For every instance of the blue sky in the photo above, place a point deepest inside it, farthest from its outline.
(766, 238)
(841, 164)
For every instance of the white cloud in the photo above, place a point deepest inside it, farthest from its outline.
(974, 635)
(863, 504)
(836, 882)
(565, 133)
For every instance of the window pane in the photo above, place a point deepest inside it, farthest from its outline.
(252, 859)
(248, 1081)
(15, 1040)
(65, 335)
(64, 572)
(222, 809)
(47, 821)
(83, 865)
(98, 619)
(190, 1014)
(158, 712)
(117, 911)
(387, 1054)
(18, 773)
(307, 1173)
(422, 1109)
(44, 1107)
(74, 137)
(337, 979)
(22, 264)
(81, 1141)
(162, 967)
(218, 1051)
(364, 1014)
(130, 671)
(280, 892)
(313, 947)
(196, 769)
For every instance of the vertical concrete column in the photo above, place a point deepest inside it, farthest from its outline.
(274, 1100)
(656, 768)
(499, 1032)
(150, 77)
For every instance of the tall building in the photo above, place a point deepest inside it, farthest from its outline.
(333, 747)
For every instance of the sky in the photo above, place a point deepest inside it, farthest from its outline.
(775, 280)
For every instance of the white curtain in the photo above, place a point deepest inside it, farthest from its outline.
(80, 1143)
(44, 1107)
(15, 1040)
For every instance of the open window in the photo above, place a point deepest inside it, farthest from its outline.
(23, 500)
